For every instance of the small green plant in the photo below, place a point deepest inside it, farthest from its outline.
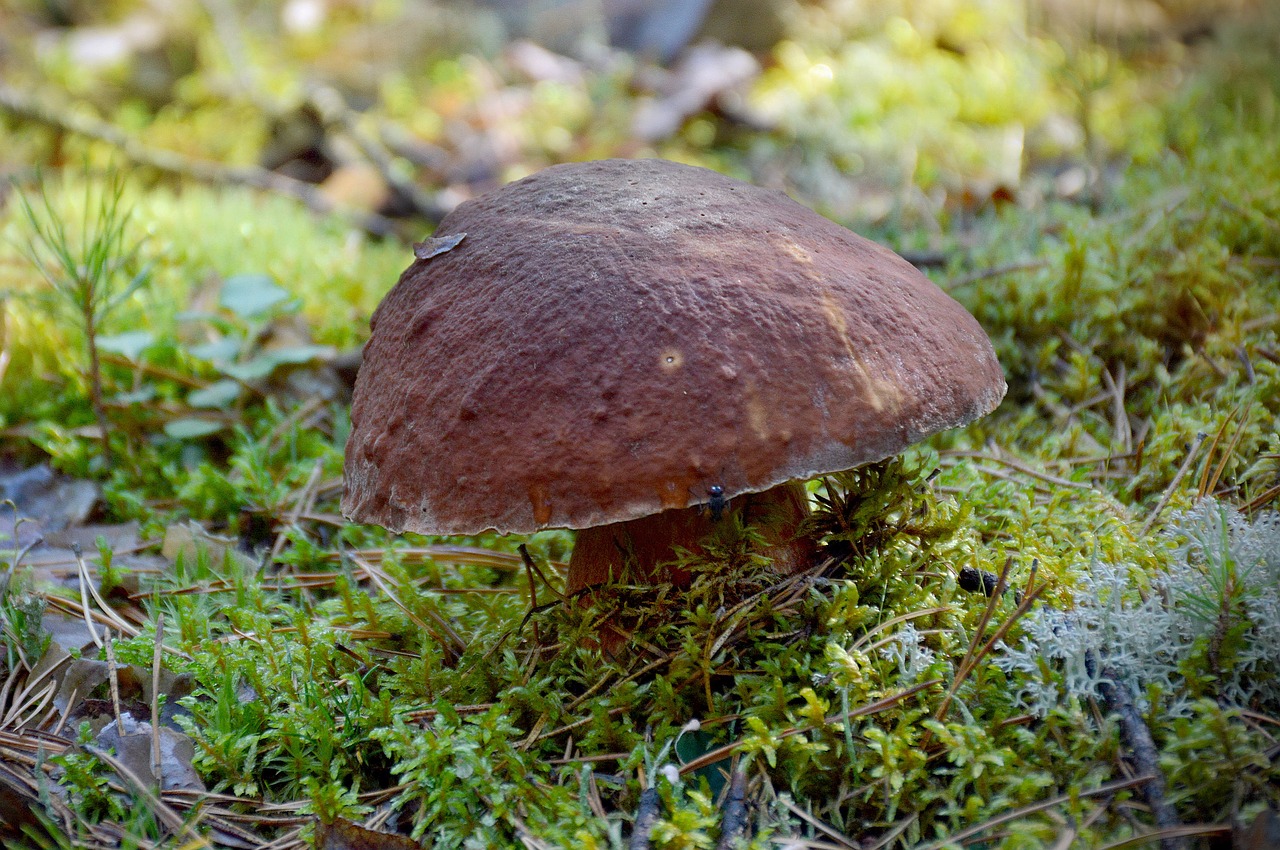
(90, 267)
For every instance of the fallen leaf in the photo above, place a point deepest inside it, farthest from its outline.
(435, 246)
(189, 540)
(48, 501)
(132, 742)
(341, 834)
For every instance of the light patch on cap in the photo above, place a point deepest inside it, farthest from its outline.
(671, 359)
(672, 494)
(835, 318)
(541, 501)
(797, 251)
(802, 256)
(757, 414)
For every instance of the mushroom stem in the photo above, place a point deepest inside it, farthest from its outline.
(648, 544)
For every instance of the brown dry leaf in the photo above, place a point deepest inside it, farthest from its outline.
(52, 664)
(68, 632)
(1262, 834)
(342, 834)
(50, 502)
(119, 537)
(18, 806)
(79, 681)
(188, 540)
(132, 742)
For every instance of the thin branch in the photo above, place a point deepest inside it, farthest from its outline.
(27, 107)
(996, 271)
(1173, 486)
(646, 817)
(1146, 757)
(733, 825)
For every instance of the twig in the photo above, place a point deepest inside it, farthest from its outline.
(1146, 758)
(113, 678)
(733, 825)
(646, 817)
(995, 271)
(204, 171)
(333, 110)
(1173, 486)
(157, 768)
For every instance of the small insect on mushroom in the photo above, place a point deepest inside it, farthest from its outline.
(716, 502)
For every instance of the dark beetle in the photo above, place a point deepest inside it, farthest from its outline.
(716, 502)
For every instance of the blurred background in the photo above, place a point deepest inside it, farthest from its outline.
(874, 111)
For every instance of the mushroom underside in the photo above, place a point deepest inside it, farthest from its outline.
(645, 550)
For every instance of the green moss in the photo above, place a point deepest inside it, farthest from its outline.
(866, 696)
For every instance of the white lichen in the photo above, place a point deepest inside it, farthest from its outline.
(1223, 589)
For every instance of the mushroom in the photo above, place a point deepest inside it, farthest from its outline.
(634, 348)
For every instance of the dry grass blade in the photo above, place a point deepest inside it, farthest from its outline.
(1170, 833)
(304, 502)
(974, 655)
(85, 586)
(1116, 388)
(1173, 485)
(442, 632)
(826, 830)
(163, 812)
(892, 835)
(713, 756)
(996, 271)
(977, 829)
(901, 618)
(442, 553)
(28, 706)
(1258, 501)
(1019, 466)
(1208, 481)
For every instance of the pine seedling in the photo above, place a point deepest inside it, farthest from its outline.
(85, 266)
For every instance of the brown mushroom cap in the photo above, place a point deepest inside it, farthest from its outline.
(611, 339)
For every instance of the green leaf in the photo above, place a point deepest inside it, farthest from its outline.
(217, 395)
(145, 393)
(191, 427)
(251, 295)
(130, 344)
(267, 362)
(219, 351)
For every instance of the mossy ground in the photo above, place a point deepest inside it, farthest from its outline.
(345, 673)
